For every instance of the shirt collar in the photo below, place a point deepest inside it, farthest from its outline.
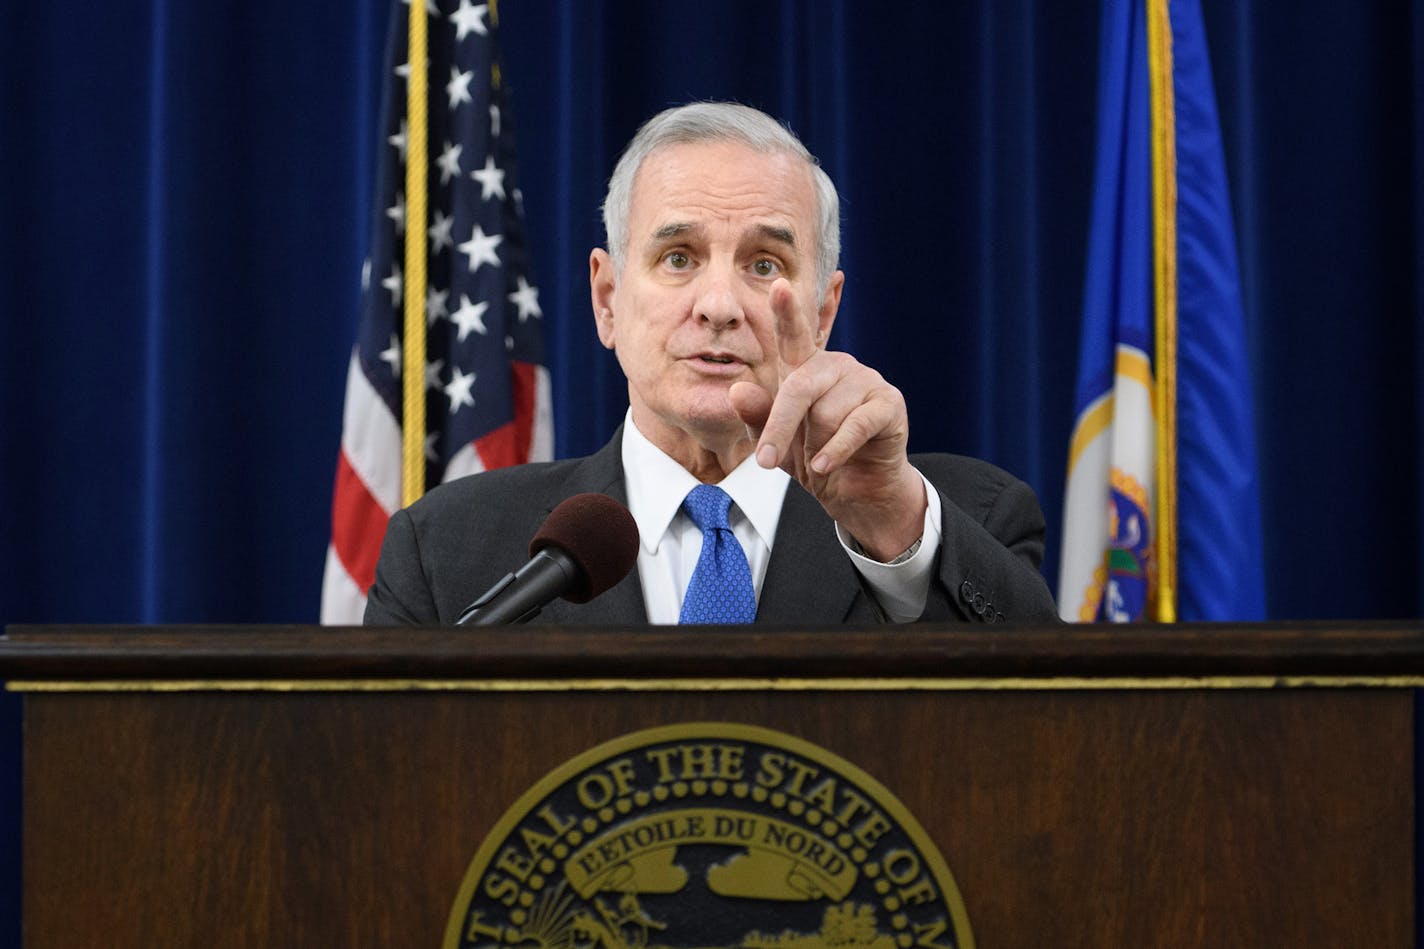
(657, 486)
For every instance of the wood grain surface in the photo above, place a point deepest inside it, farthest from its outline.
(1116, 818)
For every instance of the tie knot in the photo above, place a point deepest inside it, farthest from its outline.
(707, 505)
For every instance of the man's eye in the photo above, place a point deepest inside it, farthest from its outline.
(764, 267)
(677, 260)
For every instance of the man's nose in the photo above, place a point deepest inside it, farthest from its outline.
(717, 303)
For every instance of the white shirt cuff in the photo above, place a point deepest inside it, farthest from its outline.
(902, 588)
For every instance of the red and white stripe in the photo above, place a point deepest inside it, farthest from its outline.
(368, 477)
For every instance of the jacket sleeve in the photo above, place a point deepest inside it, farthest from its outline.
(401, 594)
(991, 555)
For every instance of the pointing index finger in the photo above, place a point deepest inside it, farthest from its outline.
(794, 342)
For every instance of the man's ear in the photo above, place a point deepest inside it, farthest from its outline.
(830, 305)
(602, 287)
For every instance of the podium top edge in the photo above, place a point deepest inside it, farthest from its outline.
(1387, 652)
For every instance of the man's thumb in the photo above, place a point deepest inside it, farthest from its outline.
(752, 404)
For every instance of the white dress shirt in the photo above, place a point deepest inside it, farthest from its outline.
(670, 543)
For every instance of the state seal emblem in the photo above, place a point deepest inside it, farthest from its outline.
(708, 834)
(1124, 584)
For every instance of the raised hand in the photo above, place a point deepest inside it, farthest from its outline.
(840, 430)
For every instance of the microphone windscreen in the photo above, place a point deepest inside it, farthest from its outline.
(598, 534)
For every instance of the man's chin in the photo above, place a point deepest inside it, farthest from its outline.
(719, 424)
(703, 411)
(712, 418)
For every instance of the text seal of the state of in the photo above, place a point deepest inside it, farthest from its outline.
(702, 835)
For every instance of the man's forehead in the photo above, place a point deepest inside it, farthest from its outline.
(679, 185)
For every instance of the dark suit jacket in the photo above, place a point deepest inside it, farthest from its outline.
(448, 548)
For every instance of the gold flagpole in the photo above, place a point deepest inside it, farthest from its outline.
(1164, 359)
(413, 358)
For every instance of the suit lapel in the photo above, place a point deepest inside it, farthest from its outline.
(602, 473)
(809, 580)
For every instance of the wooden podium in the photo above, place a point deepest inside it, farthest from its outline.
(1248, 786)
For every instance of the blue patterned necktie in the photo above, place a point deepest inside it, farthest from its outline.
(721, 588)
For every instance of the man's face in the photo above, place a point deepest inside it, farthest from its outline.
(711, 227)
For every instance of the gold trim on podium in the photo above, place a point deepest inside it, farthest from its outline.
(1007, 684)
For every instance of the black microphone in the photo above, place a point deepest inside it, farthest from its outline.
(587, 544)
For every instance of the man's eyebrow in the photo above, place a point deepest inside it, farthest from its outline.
(673, 229)
(677, 229)
(781, 235)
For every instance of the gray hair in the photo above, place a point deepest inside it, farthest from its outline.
(715, 122)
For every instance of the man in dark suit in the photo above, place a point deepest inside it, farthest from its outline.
(717, 293)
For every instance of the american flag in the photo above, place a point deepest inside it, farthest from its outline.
(486, 388)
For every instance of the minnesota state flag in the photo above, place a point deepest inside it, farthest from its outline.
(1161, 513)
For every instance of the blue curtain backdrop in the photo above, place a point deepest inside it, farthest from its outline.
(185, 196)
